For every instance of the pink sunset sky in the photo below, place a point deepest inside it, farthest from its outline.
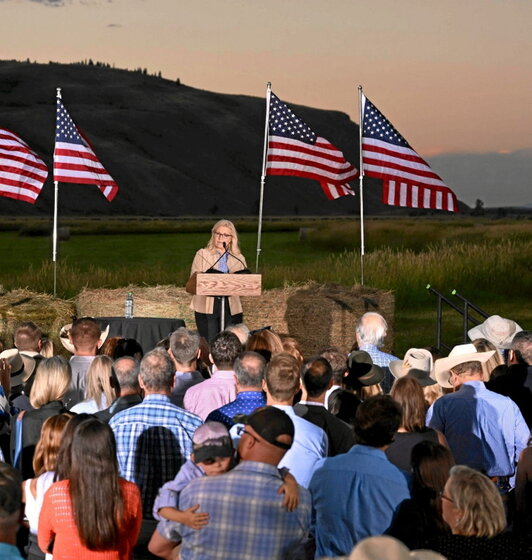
(453, 76)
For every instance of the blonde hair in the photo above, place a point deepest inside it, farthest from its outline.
(265, 342)
(367, 391)
(47, 349)
(99, 380)
(480, 502)
(484, 345)
(51, 381)
(432, 393)
(291, 345)
(47, 448)
(233, 242)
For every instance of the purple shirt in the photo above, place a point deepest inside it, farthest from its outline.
(168, 495)
(213, 393)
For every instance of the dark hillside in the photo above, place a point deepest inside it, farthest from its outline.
(172, 149)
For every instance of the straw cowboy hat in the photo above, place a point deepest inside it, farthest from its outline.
(389, 548)
(459, 355)
(498, 330)
(417, 359)
(21, 366)
(362, 370)
(65, 339)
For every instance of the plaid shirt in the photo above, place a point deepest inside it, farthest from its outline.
(246, 517)
(383, 360)
(153, 440)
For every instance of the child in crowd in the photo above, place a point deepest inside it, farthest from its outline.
(213, 454)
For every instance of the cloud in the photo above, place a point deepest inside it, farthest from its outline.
(55, 3)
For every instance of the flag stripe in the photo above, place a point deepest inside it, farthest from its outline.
(281, 147)
(295, 150)
(408, 180)
(289, 162)
(22, 172)
(75, 160)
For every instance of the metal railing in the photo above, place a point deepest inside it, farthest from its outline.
(464, 310)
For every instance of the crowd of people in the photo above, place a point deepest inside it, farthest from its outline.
(241, 447)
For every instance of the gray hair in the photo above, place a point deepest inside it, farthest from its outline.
(157, 370)
(127, 372)
(372, 328)
(522, 347)
(249, 369)
(184, 345)
(241, 330)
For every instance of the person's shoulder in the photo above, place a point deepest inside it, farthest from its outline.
(129, 488)
(308, 427)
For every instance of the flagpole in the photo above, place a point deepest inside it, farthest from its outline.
(54, 233)
(263, 174)
(361, 182)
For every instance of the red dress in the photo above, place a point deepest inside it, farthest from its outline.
(57, 521)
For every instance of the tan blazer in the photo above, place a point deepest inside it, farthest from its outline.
(203, 260)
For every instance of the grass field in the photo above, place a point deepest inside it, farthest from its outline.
(487, 261)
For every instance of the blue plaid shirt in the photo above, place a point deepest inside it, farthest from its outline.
(245, 403)
(246, 517)
(382, 359)
(153, 440)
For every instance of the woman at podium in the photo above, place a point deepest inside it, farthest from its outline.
(222, 255)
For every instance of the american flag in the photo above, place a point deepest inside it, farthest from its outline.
(74, 158)
(22, 171)
(294, 149)
(407, 178)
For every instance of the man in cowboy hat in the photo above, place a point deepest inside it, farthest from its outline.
(21, 368)
(485, 430)
(498, 330)
(517, 382)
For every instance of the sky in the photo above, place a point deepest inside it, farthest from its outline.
(453, 76)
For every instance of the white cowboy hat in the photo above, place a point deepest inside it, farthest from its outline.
(65, 339)
(388, 548)
(21, 366)
(415, 358)
(498, 330)
(459, 355)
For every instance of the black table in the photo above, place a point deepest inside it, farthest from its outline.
(147, 331)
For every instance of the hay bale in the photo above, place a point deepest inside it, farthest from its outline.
(317, 315)
(149, 301)
(49, 313)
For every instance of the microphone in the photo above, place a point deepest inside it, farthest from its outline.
(244, 270)
(211, 269)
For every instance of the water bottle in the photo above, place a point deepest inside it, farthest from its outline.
(129, 306)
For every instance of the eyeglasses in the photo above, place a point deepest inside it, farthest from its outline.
(223, 235)
(444, 497)
(242, 430)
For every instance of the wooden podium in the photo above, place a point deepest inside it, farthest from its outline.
(223, 285)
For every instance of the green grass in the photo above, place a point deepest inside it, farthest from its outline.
(488, 261)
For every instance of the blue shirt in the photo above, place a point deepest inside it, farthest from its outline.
(309, 446)
(354, 495)
(9, 552)
(246, 517)
(245, 403)
(485, 430)
(153, 440)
